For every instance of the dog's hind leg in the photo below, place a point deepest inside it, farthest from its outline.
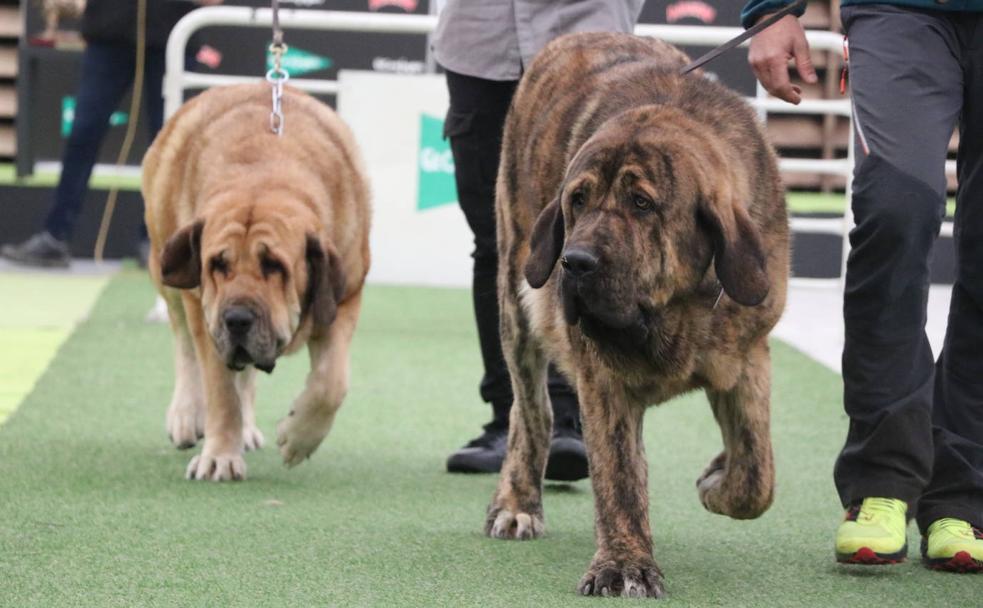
(313, 412)
(185, 420)
(740, 481)
(252, 437)
(516, 509)
(623, 564)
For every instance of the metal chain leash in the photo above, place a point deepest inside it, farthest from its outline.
(277, 76)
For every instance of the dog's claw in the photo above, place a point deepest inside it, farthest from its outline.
(205, 467)
(633, 578)
(184, 425)
(252, 438)
(518, 526)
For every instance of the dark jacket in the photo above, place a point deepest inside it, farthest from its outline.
(115, 21)
(754, 9)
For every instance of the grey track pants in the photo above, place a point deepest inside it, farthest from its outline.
(916, 424)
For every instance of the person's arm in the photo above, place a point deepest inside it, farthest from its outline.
(771, 50)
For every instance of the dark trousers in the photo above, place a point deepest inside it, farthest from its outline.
(107, 73)
(474, 126)
(916, 424)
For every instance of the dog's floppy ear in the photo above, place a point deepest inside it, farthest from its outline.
(180, 262)
(325, 283)
(545, 244)
(738, 257)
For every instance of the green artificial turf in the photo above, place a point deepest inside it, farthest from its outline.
(94, 510)
(35, 319)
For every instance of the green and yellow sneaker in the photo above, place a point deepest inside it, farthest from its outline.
(873, 533)
(953, 545)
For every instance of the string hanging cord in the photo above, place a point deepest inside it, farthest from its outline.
(277, 76)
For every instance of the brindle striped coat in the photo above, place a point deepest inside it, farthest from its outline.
(661, 200)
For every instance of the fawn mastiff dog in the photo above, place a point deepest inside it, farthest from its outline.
(259, 245)
(644, 245)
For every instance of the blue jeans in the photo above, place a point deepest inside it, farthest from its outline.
(107, 73)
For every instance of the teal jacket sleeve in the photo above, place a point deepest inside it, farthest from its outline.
(754, 9)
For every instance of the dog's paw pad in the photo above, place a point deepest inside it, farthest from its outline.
(219, 467)
(252, 438)
(624, 580)
(518, 526)
(296, 440)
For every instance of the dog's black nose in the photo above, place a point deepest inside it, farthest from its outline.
(238, 320)
(578, 262)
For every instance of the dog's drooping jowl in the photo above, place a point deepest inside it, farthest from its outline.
(259, 245)
(643, 240)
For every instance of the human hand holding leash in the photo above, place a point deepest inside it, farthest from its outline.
(770, 52)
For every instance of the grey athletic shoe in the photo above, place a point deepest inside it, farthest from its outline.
(41, 250)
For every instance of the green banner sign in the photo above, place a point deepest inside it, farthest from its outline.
(435, 165)
(298, 61)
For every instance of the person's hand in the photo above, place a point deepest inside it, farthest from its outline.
(770, 53)
(209, 2)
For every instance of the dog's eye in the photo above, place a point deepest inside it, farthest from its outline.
(577, 198)
(218, 264)
(272, 266)
(642, 202)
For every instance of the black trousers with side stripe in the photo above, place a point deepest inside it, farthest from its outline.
(916, 422)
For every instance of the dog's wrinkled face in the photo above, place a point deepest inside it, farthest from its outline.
(647, 204)
(260, 268)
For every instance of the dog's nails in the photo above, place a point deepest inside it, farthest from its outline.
(605, 592)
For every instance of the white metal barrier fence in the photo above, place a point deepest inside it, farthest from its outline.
(177, 80)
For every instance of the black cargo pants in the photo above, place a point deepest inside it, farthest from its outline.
(916, 424)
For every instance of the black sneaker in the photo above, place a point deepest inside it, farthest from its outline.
(482, 455)
(41, 250)
(568, 456)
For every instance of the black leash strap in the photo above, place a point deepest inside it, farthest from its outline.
(733, 42)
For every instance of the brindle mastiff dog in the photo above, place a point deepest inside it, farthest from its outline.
(259, 244)
(660, 199)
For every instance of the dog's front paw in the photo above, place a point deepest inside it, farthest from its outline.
(297, 440)
(638, 577)
(215, 465)
(746, 499)
(514, 523)
(252, 437)
(185, 425)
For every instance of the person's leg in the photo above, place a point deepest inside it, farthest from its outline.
(474, 125)
(906, 99)
(107, 72)
(956, 489)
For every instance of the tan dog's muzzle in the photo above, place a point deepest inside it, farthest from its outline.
(243, 336)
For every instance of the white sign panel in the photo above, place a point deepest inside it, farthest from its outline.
(419, 235)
